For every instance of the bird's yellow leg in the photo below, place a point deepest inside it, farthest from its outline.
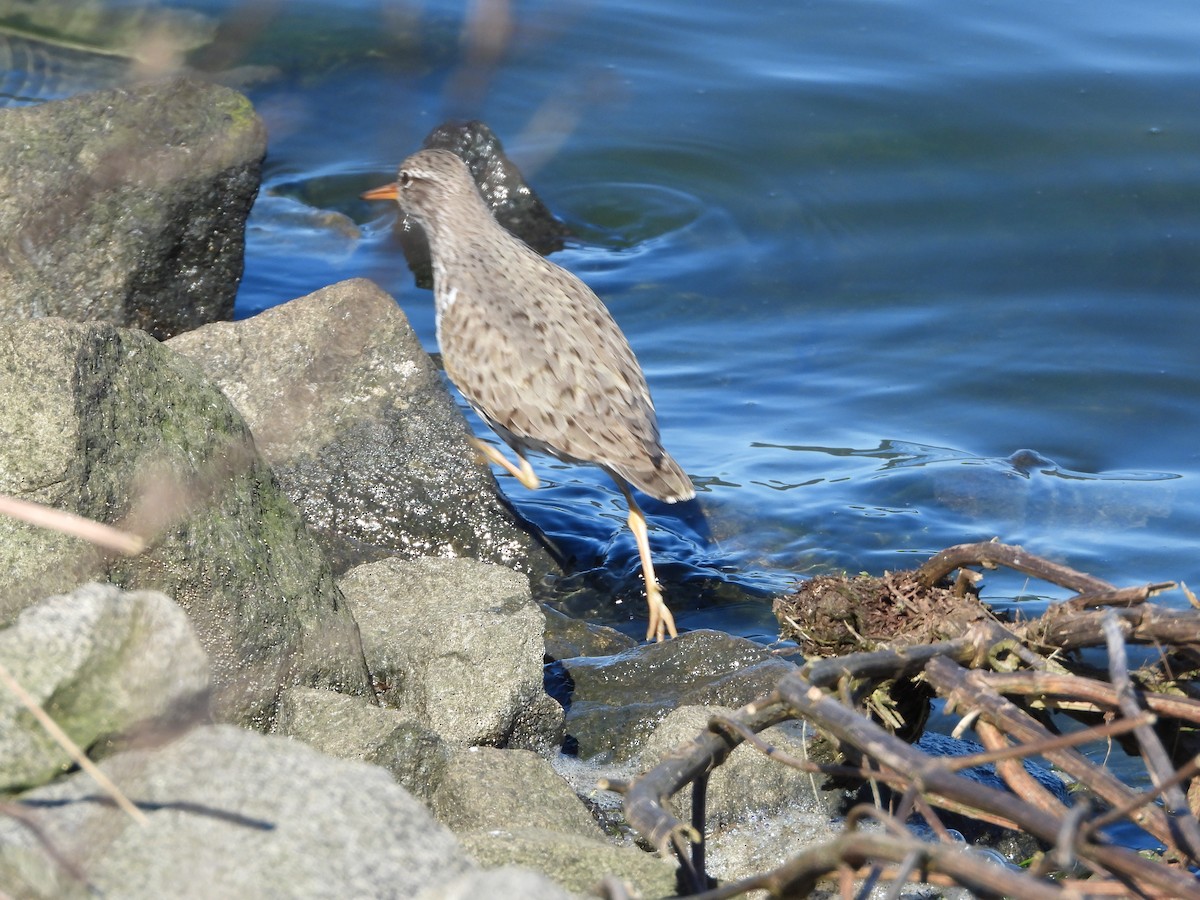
(524, 474)
(662, 622)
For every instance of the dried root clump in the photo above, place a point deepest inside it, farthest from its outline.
(830, 615)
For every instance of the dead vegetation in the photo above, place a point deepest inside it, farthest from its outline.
(1015, 684)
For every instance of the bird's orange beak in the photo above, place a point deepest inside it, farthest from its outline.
(383, 192)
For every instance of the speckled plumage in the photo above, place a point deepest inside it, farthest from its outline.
(530, 346)
(535, 351)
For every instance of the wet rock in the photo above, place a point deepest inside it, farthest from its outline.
(511, 200)
(457, 644)
(485, 788)
(231, 814)
(108, 423)
(101, 661)
(567, 637)
(128, 206)
(617, 701)
(354, 728)
(1026, 488)
(747, 786)
(361, 431)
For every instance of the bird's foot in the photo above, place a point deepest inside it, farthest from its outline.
(662, 622)
(524, 474)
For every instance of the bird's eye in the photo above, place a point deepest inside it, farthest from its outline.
(405, 179)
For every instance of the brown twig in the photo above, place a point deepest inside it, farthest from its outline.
(1184, 829)
(991, 554)
(986, 674)
(971, 690)
(68, 523)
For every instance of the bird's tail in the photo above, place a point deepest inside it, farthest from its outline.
(660, 477)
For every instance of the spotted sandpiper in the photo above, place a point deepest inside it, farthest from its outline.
(535, 352)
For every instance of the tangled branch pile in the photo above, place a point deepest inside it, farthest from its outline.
(1013, 684)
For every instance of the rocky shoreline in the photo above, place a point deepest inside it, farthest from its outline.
(327, 676)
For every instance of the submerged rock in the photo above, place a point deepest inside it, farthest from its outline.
(120, 30)
(33, 71)
(616, 702)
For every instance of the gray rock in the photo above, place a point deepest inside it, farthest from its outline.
(617, 701)
(353, 728)
(457, 644)
(573, 862)
(100, 661)
(567, 637)
(361, 430)
(757, 845)
(485, 788)
(748, 785)
(504, 883)
(235, 814)
(128, 206)
(107, 423)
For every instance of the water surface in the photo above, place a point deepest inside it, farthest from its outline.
(901, 275)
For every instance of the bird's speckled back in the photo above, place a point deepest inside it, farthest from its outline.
(530, 346)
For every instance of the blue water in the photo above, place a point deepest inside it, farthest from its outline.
(901, 275)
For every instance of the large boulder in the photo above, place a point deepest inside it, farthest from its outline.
(361, 431)
(231, 814)
(617, 701)
(108, 423)
(457, 645)
(128, 206)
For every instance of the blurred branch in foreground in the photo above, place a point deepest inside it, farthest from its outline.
(68, 523)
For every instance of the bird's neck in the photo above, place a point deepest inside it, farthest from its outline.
(452, 228)
(445, 292)
(467, 240)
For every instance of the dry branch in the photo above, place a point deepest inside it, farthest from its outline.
(1004, 679)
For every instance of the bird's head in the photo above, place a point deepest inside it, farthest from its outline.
(429, 184)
